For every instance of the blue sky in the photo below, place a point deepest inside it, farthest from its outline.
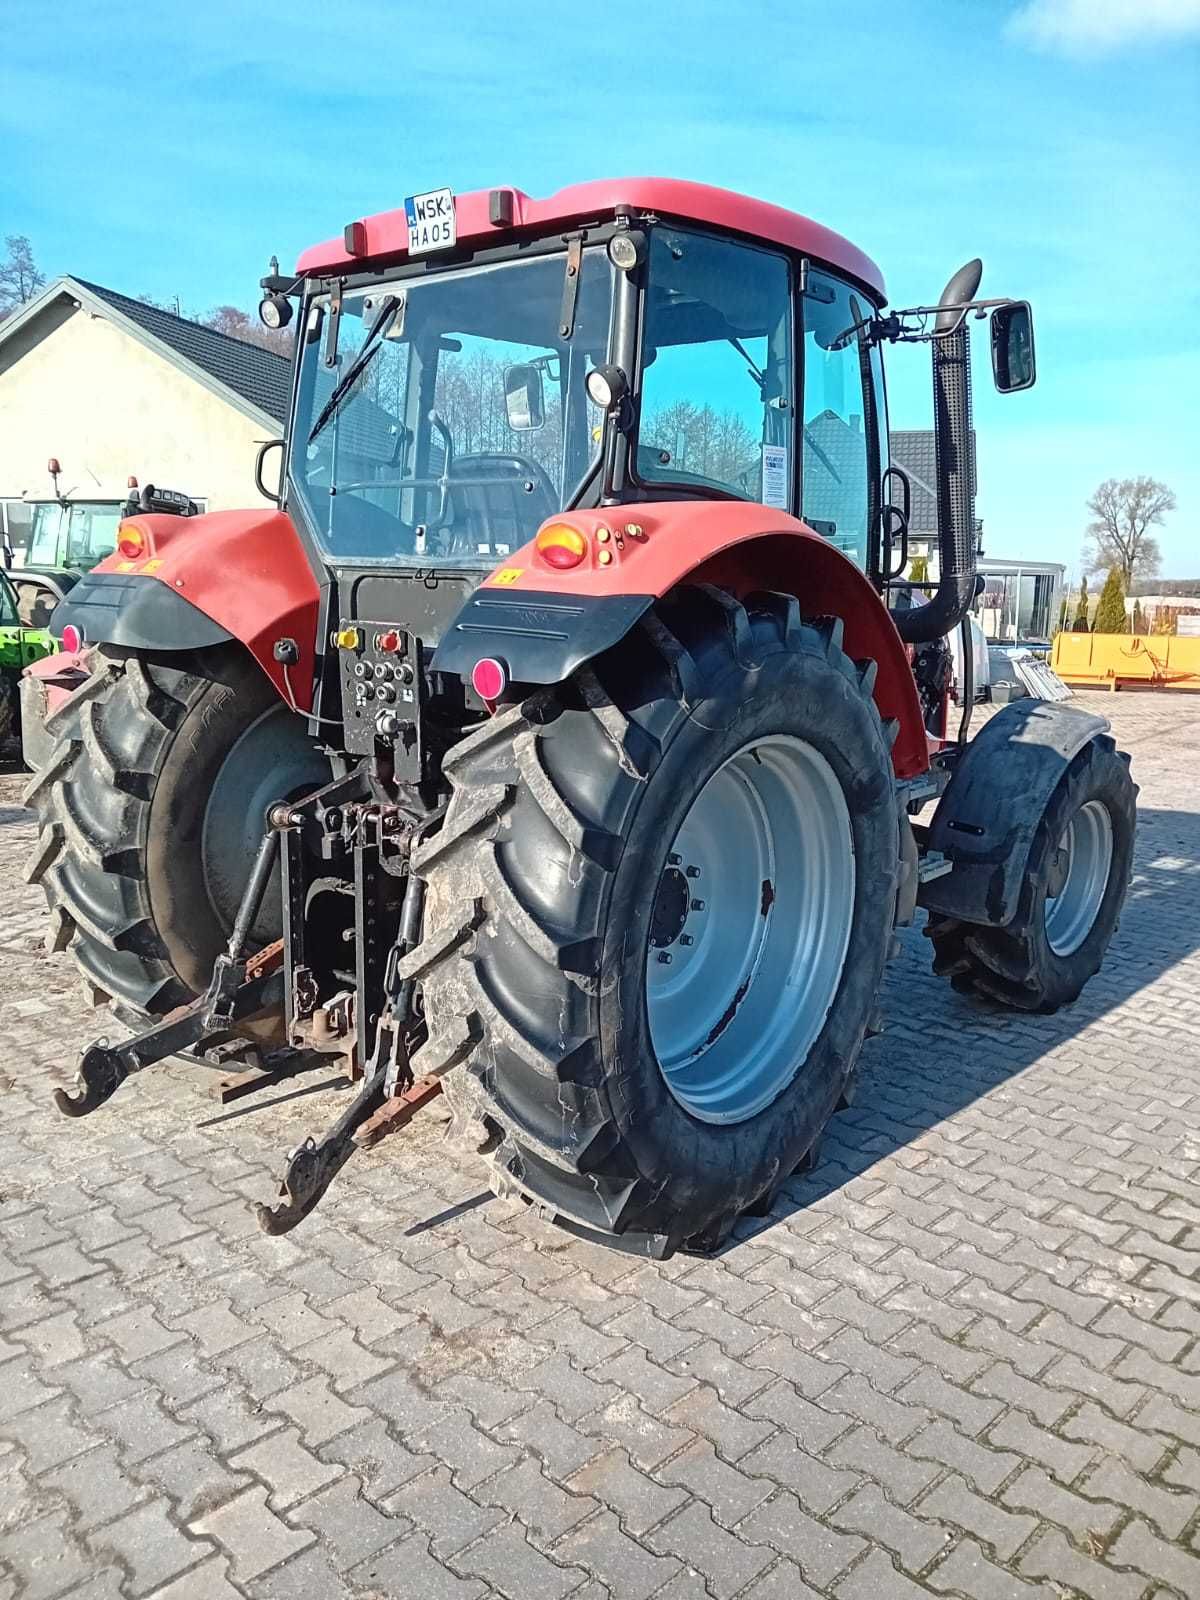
(167, 150)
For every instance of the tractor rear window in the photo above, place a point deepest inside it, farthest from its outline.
(452, 419)
(716, 368)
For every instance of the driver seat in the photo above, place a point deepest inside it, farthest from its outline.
(496, 504)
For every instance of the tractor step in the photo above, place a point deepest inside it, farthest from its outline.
(933, 864)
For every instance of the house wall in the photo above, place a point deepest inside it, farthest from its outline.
(106, 406)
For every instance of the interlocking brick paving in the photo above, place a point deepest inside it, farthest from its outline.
(961, 1358)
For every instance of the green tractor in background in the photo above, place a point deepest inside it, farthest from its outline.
(66, 539)
(69, 535)
(19, 647)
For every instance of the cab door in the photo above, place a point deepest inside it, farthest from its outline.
(843, 419)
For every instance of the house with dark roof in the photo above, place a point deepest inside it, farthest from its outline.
(912, 449)
(110, 387)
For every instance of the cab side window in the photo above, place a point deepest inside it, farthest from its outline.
(716, 368)
(837, 459)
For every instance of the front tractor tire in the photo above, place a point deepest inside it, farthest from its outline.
(657, 916)
(150, 808)
(1070, 896)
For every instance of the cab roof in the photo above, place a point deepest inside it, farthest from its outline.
(386, 234)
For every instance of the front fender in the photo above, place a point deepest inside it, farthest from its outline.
(985, 822)
(205, 580)
(544, 623)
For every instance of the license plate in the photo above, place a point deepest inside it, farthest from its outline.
(431, 224)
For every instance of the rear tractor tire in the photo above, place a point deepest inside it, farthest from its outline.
(35, 604)
(657, 917)
(150, 809)
(1070, 897)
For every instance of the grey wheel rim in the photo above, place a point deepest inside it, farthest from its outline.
(1078, 877)
(750, 927)
(272, 760)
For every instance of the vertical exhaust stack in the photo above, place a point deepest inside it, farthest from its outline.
(955, 466)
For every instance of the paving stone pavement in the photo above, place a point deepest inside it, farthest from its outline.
(961, 1358)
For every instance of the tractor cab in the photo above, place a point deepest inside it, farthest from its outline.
(67, 537)
(448, 405)
(455, 395)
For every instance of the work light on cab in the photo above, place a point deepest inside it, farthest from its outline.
(131, 541)
(626, 250)
(607, 386)
(560, 546)
(275, 311)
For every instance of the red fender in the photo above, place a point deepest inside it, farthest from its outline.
(740, 546)
(247, 571)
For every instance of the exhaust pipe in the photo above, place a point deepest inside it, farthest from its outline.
(955, 468)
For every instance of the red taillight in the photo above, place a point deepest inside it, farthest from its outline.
(489, 678)
(131, 541)
(561, 546)
(72, 638)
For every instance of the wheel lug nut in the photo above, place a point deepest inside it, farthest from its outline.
(697, 905)
(693, 872)
(665, 957)
(686, 938)
(673, 860)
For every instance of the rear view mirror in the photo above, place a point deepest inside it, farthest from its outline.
(1013, 363)
(524, 401)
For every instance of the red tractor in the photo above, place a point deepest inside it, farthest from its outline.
(557, 741)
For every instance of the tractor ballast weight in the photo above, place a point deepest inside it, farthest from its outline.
(589, 725)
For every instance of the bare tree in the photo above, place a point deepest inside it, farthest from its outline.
(20, 279)
(239, 325)
(1123, 511)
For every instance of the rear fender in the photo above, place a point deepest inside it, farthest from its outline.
(544, 623)
(46, 686)
(985, 822)
(201, 581)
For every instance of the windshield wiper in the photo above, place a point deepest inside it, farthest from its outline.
(759, 377)
(382, 322)
(812, 444)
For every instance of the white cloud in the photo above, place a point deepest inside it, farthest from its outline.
(1095, 27)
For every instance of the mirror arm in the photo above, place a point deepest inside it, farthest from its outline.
(894, 326)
